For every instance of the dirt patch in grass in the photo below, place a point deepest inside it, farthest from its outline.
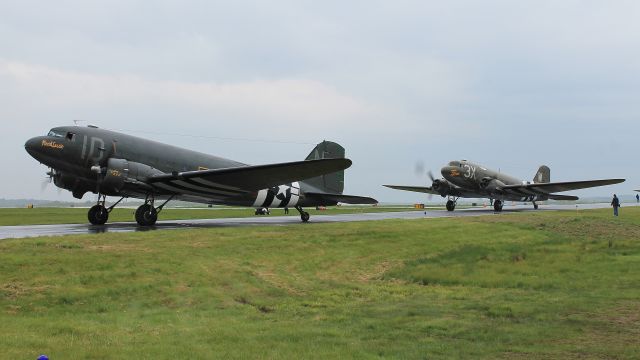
(262, 308)
(277, 281)
(119, 248)
(15, 290)
(378, 271)
(625, 316)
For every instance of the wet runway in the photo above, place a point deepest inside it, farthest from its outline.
(7, 232)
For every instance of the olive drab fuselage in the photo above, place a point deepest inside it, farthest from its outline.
(89, 159)
(474, 180)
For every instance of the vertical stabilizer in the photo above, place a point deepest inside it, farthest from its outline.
(543, 175)
(330, 183)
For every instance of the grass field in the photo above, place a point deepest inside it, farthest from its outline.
(42, 216)
(542, 285)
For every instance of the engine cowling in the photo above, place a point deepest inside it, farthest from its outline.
(78, 186)
(114, 176)
(442, 186)
(492, 186)
(119, 172)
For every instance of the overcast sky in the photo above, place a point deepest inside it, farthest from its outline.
(509, 84)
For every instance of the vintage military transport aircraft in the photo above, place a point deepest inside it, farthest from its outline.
(464, 179)
(108, 163)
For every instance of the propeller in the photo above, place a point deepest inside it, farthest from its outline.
(421, 171)
(51, 174)
(44, 184)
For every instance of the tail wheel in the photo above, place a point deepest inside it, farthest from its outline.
(146, 215)
(98, 215)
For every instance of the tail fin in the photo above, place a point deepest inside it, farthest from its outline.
(543, 175)
(331, 183)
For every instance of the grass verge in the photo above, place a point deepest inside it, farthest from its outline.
(535, 285)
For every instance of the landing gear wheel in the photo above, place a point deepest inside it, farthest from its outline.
(98, 215)
(535, 206)
(451, 205)
(497, 205)
(146, 215)
(303, 214)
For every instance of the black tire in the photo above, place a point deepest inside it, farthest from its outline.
(451, 205)
(535, 206)
(98, 215)
(305, 216)
(497, 205)
(146, 215)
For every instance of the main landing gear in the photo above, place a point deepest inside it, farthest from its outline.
(303, 214)
(99, 213)
(535, 206)
(451, 203)
(147, 214)
(497, 205)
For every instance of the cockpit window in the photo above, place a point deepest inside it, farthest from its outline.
(55, 133)
(71, 136)
(455, 163)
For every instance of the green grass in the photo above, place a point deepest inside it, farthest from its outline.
(43, 216)
(541, 285)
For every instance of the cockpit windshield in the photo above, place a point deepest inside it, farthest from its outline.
(55, 133)
(455, 163)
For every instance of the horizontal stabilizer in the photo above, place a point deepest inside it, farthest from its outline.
(420, 189)
(329, 199)
(252, 178)
(548, 188)
(563, 197)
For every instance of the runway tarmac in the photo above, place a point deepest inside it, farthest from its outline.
(7, 232)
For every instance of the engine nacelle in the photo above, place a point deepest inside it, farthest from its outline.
(119, 172)
(114, 175)
(442, 186)
(77, 185)
(492, 186)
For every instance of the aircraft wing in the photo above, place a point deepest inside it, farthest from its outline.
(420, 189)
(548, 188)
(245, 179)
(336, 198)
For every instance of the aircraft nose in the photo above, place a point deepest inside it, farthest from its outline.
(32, 145)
